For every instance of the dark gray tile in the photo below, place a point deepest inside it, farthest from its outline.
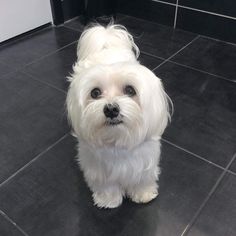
(32, 117)
(185, 181)
(204, 112)
(54, 68)
(219, 214)
(209, 55)
(50, 197)
(149, 61)
(5, 69)
(23, 51)
(218, 6)
(7, 228)
(149, 10)
(155, 39)
(233, 165)
(207, 24)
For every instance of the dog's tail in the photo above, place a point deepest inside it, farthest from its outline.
(97, 38)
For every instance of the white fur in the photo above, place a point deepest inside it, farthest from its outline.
(122, 159)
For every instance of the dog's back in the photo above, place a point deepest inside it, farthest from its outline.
(107, 45)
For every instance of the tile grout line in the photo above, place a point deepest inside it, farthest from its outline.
(153, 22)
(3, 214)
(193, 154)
(176, 13)
(219, 40)
(48, 54)
(34, 159)
(202, 71)
(208, 12)
(231, 172)
(36, 79)
(21, 68)
(43, 82)
(68, 27)
(190, 67)
(156, 23)
(167, 3)
(231, 161)
(151, 55)
(20, 37)
(177, 52)
(190, 224)
(196, 9)
(72, 19)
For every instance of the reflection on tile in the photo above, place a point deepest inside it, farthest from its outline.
(156, 39)
(204, 118)
(77, 24)
(21, 52)
(32, 117)
(119, 17)
(219, 214)
(54, 187)
(55, 68)
(209, 55)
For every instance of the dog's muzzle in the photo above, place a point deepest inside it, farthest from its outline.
(111, 110)
(112, 113)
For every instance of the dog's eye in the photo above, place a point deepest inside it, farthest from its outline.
(129, 90)
(96, 93)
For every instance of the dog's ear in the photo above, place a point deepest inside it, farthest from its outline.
(155, 103)
(73, 109)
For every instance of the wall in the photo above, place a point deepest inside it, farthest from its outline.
(17, 17)
(213, 18)
(72, 8)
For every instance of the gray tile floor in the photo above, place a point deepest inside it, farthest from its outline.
(42, 191)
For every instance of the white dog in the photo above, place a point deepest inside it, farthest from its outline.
(118, 110)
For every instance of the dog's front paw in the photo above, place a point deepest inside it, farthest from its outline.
(144, 195)
(107, 200)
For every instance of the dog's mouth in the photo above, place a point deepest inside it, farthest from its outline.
(113, 122)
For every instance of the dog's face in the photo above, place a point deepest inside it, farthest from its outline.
(117, 105)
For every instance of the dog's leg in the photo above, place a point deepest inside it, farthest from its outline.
(147, 188)
(143, 193)
(109, 196)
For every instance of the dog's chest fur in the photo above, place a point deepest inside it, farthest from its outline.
(115, 164)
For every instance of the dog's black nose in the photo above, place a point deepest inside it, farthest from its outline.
(111, 110)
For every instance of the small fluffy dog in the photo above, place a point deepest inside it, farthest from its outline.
(118, 110)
